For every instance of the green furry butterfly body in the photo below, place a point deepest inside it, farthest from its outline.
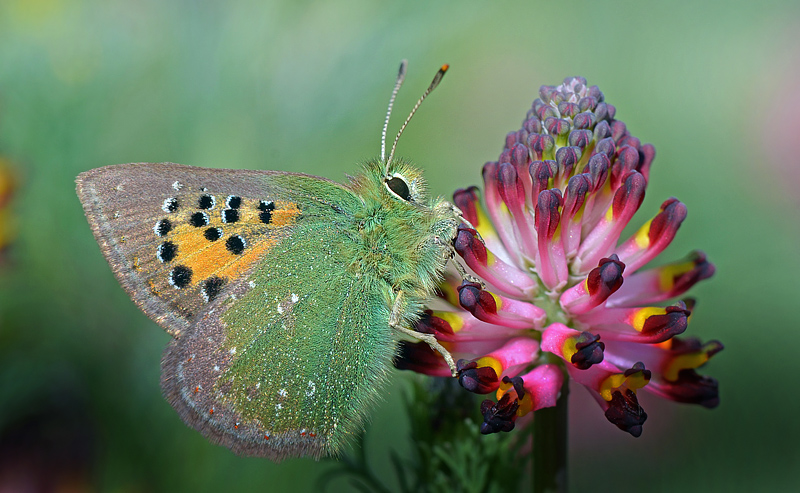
(280, 290)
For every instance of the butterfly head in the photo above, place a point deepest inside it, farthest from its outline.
(399, 186)
(404, 182)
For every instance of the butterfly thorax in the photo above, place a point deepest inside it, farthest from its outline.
(405, 243)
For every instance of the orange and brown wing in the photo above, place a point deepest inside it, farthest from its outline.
(177, 236)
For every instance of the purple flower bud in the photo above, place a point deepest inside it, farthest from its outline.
(618, 130)
(568, 109)
(601, 131)
(499, 416)
(479, 380)
(467, 201)
(606, 147)
(532, 126)
(580, 138)
(584, 120)
(588, 103)
(625, 412)
(601, 112)
(556, 126)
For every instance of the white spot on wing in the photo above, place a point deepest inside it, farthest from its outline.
(167, 203)
(177, 185)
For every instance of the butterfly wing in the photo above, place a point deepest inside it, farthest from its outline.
(283, 368)
(174, 235)
(279, 345)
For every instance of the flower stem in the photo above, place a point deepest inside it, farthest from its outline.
(550, 446)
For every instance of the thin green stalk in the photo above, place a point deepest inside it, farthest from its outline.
(550, 446)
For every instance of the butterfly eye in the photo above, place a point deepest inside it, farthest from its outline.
(399, 187)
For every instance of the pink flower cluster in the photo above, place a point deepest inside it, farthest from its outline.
(554, 292)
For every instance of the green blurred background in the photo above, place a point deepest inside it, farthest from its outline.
(302, 86)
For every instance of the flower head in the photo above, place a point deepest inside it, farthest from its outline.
(557, 292)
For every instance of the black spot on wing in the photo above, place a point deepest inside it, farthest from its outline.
(166, 251)
(235, 244)
(163, 227)
(211, 288)
(213, 234)
(266, 208)
(233, 202)
(206, 201)
(180, 276)
(230, 216)
(199, 219)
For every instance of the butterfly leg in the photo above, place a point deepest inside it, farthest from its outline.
(460, 215)
(465, 276)
(395, 321)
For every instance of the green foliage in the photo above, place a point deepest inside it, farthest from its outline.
(449, 454)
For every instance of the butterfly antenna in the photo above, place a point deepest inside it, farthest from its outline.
(435, 82)
(401, 76)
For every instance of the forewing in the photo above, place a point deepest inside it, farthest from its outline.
(287, 363)
(177, 236)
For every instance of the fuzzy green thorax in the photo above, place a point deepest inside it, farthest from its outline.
(404, 242)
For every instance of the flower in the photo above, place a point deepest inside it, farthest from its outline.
(555, 293)
(7, 188)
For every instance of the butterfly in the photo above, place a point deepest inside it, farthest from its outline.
(284, 293)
